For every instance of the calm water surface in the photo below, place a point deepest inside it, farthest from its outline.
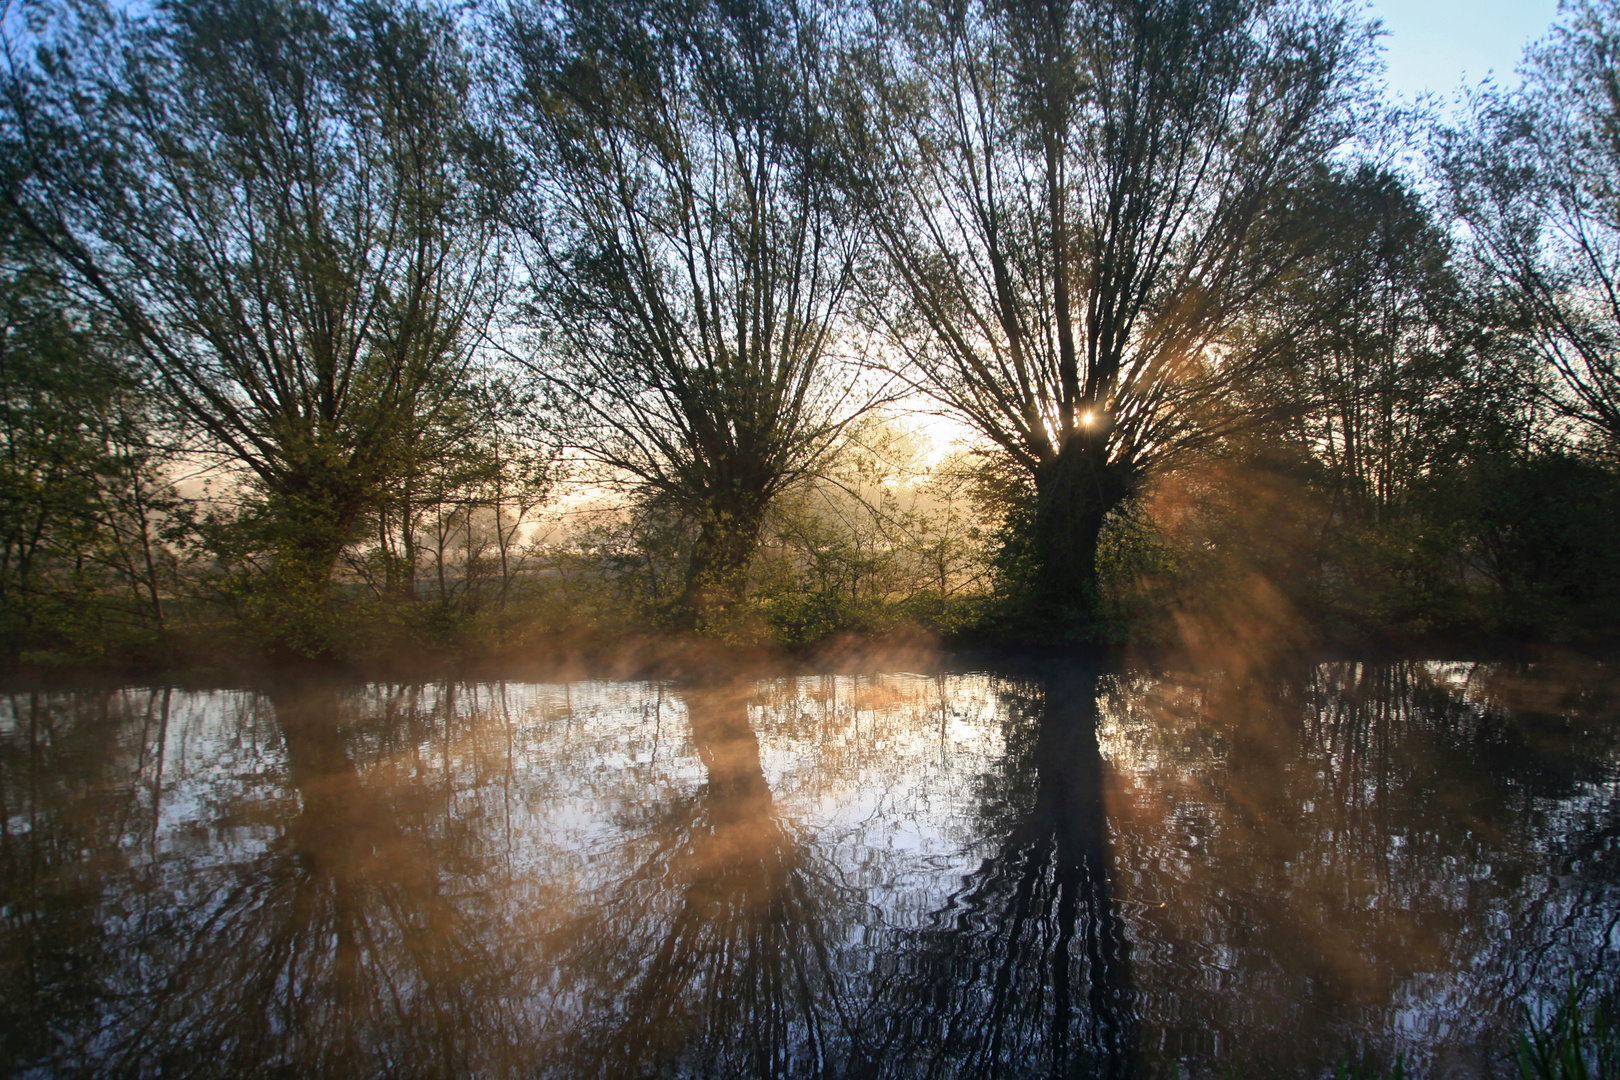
(1055, 872)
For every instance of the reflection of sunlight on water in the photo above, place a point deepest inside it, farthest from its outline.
(1380, 857)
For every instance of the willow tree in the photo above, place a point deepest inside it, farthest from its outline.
(1081, 209)
(272, 198)
(1535, 175)
(690, 261)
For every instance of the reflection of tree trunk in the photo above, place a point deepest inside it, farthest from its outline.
(737, 979)
(737, 796)
(335, 952)
(1069, 805)
(337, 837)
(1026, 972)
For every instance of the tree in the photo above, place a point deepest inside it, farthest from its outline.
(272, 198)
(1391, 367)
(82, 496)
(1078, 205)
(1535, 175)
(691, 263)
(478, 472)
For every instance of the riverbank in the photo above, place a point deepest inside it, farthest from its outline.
(220, 655)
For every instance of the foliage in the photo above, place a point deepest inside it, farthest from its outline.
(1571, 1043)
(887, 541)
(1076, 206)
(1542, 531)
(470, 485)
(272, 199)
(1535, 174)
(84, 505)
(1238, 382)
(691, 265)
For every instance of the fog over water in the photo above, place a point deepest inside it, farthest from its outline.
(1053, 870)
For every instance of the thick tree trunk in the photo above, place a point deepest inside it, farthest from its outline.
(717, 574)
(1074, 494)
(295, 609)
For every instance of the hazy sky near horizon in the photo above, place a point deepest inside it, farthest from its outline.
(1443, 45)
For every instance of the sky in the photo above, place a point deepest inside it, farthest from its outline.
(1441, 45)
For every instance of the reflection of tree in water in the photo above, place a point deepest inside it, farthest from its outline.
(333, 951)
(1549, 738)
(713, 958)
(1378, 856)
(61, 798)
(1503, 776)
(1355, 859)
(1025, 972)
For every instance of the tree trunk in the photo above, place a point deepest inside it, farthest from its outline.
(298, 611)
(295, 611)
(144, 518)
(717, 574)
(1074, 494)
(407, 541)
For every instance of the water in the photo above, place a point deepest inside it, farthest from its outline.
(1066, 872)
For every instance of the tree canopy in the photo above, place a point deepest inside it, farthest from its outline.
(692, 262)
(1220, 339)
(273, 198)
(1079, 205)
(1535, 176)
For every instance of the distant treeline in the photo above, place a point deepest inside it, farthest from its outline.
(340, 327)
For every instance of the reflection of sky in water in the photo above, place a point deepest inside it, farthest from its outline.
(1383, 858)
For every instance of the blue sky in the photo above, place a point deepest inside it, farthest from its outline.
(1440, 45)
